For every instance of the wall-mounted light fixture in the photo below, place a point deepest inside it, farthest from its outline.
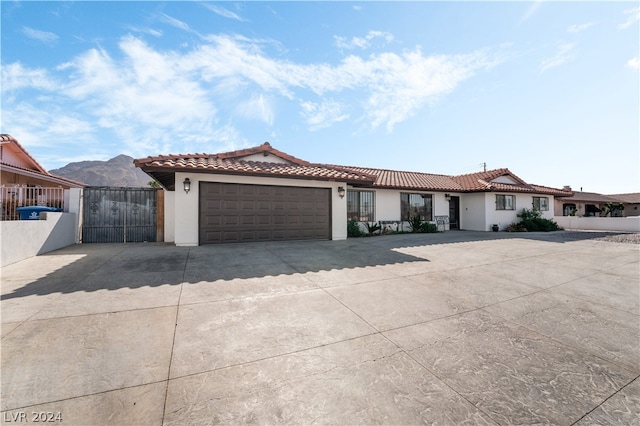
(341, 191)
(447, 197)
(187, 185)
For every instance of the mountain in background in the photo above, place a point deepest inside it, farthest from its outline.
(119, 171)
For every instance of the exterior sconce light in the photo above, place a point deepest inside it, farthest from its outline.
(447, 197)
(187, 185)
(341, 191)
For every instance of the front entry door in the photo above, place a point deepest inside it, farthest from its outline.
(454, 213)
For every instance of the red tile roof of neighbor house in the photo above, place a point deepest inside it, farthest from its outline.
(234, 163)
(8, 139)
(36, 169)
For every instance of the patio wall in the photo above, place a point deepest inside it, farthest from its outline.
(622, 224)
(22, 239)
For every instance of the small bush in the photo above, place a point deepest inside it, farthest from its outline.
(515, 227)
(415, 223)
(428, 227)
(533, 221)
(373, 227)
(353, 229)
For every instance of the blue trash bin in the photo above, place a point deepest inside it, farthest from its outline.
(33, 212)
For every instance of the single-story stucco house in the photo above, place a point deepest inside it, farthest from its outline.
(262, 194)
(594, 204)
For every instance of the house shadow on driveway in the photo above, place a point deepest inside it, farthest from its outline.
(95, 267)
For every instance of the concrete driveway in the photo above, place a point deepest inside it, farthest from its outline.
(451, 328)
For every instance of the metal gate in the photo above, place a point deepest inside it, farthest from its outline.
(119, 215)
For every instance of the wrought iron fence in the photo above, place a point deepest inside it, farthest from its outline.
(16, 196)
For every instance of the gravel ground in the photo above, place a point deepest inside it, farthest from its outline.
(623, 238)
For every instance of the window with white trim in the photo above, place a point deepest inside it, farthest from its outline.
(360, 206)
(541, 203)
(505, 202)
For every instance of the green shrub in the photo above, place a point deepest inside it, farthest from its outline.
(373, 227)
(428, 227)
(353, 229)
(415, 223)
(533, 221)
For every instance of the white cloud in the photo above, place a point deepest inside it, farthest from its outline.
(322, 115)
(634, 63)
(394, 85)
(576, 28)
(563, 55)
(362, 42)
(257, 108)
(225, 13)
(531, 10)
(15, 76)
(159, 101)
(43, 36)
(634, 16)
(150, 31)
(175, 22)
(49, 127)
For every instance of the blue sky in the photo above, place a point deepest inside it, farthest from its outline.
(548, 89)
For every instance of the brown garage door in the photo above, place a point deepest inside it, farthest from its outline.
(237, 213)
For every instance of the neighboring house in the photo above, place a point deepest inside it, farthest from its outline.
(24, 182)
(588, 204)
(262, 194)
(630, 201)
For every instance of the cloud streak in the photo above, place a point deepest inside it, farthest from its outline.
(564, 54)
(225, 13)
(576, 28)
(43, 36)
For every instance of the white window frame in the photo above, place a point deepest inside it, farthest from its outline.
(505, 202)
(541, 203)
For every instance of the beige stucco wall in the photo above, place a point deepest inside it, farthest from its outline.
(185, 206)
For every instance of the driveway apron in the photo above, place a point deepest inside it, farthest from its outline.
(449, 328)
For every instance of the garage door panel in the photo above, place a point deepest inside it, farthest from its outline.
(237, 213)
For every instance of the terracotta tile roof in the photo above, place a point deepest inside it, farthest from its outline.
(163, 168)
(226, 164)
(484, 181)
(36, 169)
(481, 181)
(408, 180)
(5, 138)
(265, 149)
